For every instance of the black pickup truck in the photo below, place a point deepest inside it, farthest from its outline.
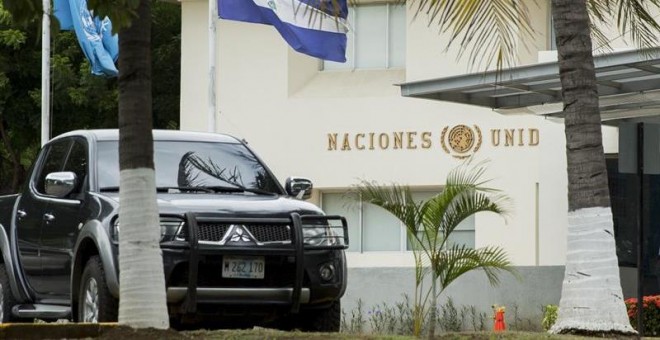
(238, 248)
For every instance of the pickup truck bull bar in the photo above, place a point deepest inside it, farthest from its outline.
(296, 248)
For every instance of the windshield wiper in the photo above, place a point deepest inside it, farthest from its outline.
(185, 189)
(238, 188)
(164, 189)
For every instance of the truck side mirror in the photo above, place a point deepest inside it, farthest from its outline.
(60, 184)
(299, 187)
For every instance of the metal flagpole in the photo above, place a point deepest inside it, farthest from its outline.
(45, 74)
(211, 85)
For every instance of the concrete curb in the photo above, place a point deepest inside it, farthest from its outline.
(54, 330)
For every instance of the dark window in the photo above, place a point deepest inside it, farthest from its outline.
(624, 197)
(77, 163)
(624, 193)
(54, 162)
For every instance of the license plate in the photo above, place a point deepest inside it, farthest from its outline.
(238, 267)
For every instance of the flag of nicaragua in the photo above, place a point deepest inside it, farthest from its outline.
(94, 35)
(314, 27)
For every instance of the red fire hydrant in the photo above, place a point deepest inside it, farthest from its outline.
(499, 319)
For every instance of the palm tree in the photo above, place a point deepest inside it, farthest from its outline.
(592, 300)
(142, 301)
(591, 293)
(429, 225)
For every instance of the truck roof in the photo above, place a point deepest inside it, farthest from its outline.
(159, 135)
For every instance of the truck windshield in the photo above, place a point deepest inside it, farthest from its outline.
(193, 164)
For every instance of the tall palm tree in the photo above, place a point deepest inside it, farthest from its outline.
(592, 300)
(142, 301)
(429, 225)
(591, 293)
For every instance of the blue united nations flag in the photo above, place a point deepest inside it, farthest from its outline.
(94, 35)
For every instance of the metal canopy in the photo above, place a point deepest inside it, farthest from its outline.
(628, 85)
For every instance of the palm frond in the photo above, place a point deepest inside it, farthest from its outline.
(464, 194)
(458, 260)
(635, 21)
(471, 202)
(396, 199)
(601, 41)
(488, 29)
(470, 174)
(599, 10)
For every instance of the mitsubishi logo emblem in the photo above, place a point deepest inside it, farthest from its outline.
(239, 235)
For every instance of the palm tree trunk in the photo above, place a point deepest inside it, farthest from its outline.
(434, 305)
(142, 300)
(418, 305)
(591, 300)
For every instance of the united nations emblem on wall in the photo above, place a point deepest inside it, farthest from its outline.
(461, 141)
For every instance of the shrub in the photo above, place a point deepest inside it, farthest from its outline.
(356, 322)
(651, 313)
(397, 319)
(449, 318)
(549, 316)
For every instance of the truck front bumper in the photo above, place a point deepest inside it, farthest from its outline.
(238, 295)
(292, 275)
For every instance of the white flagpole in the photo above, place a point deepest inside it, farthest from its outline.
(213, 12)
(45, 74)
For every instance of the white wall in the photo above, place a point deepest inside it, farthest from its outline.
(194, 64)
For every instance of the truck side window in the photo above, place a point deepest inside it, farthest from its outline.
(77, 163)
(54, 162)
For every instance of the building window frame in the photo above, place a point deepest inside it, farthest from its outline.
(352, 41)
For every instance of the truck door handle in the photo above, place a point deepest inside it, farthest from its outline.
(49, 217)
(20, 214)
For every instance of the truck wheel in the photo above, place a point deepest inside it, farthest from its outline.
(322, 320)
(95, 303)
(7, 300)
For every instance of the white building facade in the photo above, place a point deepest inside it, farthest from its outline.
(338, 124)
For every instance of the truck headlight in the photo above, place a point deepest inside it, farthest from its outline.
(169, 228)
(319, 236)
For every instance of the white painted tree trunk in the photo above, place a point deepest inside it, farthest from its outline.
(142, 294)
(591, 296)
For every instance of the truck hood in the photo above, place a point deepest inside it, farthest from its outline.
(230, 204)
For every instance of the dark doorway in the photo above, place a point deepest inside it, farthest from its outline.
(624, 193)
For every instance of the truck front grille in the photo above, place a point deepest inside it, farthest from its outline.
(263, 233)
(211, 232)
(270, 233)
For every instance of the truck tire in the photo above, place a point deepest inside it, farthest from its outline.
(322, 320)
(7, 300)
(95, 303)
